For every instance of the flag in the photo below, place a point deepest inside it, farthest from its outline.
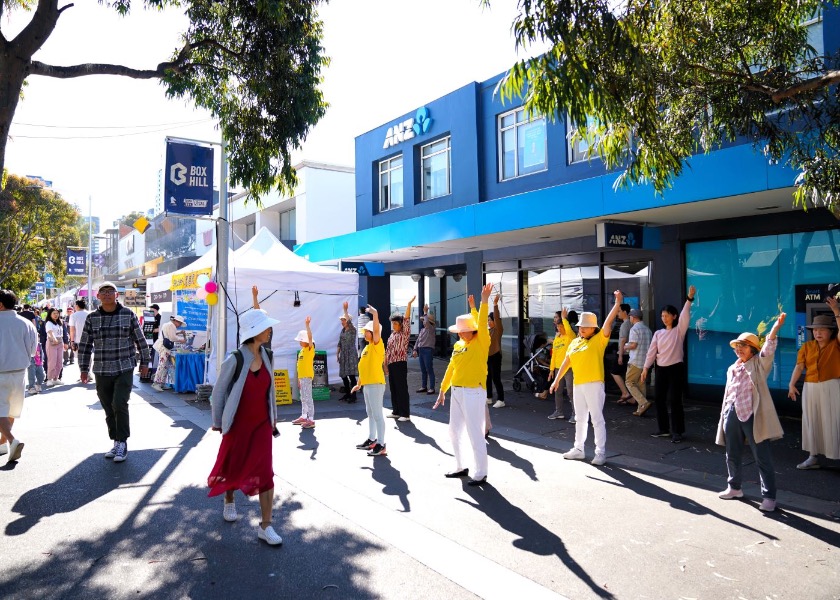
(142, 224)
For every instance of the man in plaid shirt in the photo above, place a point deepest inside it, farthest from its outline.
(115, 333)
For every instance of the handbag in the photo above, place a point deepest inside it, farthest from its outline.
(53, 341)
(168, 344)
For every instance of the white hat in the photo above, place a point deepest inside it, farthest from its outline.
(464, 323)
(178, 318)
(254, 322)
(369, 326)
(107, 284)
(588, 319)
(302, 336)
(342, 317)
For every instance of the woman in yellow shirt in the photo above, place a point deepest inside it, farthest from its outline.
(820, 359)
(562, 339)
(372, 384)
(467, 376)
(585, 355)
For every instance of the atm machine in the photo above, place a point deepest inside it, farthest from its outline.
(810, 302)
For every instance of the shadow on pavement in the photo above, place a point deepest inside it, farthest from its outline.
(533, 537)
(499, 452)
(410, 429)
(392, 483)
(641, 487)
(308, 441)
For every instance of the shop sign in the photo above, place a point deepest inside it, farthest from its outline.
(187, 281)
(619, 235)
(420, 123)
(370, 269)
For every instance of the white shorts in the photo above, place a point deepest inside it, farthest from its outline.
(12, 387)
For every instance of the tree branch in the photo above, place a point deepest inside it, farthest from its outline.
(829, 78)
(70, 72)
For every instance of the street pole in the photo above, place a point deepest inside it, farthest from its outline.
(90, 252)
(222, 245)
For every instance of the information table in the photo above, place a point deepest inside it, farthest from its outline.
(189, 370)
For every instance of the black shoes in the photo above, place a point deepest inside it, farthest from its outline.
(456, 474)
(676, 438)
(477, 482)
(366, 445)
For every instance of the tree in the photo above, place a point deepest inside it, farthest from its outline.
(36, 227)
(678, 77)
(255, 66)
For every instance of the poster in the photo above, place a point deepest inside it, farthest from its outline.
(282, 388)
(320, 382)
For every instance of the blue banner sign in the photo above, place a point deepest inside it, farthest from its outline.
(39, 287)
(626, 235)
(188, 184)
(76, 261)
(370, 269)
(49, 280)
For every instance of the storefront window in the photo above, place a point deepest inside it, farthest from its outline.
(507, 283)
(742, 285)
(402, 289)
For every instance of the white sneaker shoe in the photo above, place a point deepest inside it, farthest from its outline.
(15, 450)
(599, 461)
(269, 536)
(499, 404)
(730, 494)
(489, 401)
(157, 386)
(767, 505)
(229, 513)
(574, 454)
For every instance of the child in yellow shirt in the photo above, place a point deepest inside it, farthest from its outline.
(305, 374)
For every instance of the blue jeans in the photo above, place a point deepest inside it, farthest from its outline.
(35, 373)
(734, 432)
(427, 371)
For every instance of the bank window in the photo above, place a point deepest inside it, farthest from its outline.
(250, 230)
(581, 147)
(436, 165)
(522, 149)
(391, 183)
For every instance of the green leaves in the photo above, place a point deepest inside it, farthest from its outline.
(686, 76)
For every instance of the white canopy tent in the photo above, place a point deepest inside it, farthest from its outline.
(290, 289)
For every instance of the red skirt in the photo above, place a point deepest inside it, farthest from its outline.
(244, 460)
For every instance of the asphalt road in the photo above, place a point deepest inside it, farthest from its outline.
(80, 526)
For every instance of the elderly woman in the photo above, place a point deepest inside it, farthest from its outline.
(666, 350)
(748, 412)
(820, 359)
(164, 346)
(396, 364)
(243, 410)
(467, 375)
(347, 355)
(585, 356)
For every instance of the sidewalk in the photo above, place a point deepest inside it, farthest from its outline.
(697, 461)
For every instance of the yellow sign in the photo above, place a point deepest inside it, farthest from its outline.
(187, 281)
(282, 389)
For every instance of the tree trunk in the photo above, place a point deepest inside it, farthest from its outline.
(13, 71)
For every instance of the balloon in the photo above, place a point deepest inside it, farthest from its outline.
(201, 280)
(201, 293)
(212, 299)
(210, 287)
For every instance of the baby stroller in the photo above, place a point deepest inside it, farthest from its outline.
(535, 370)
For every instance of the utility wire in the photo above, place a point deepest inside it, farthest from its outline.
(113, 126)
(98, 137)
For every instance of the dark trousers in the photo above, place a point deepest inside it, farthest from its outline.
(113, 392)
(398, 383)
(349, 384)
(669, 393)
(494, 375)
(734, 431)
(427, 369)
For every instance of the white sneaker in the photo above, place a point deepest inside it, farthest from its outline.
(730, 494)
(404, 419)
(767, 505)
(113, 451)
(499, 404)
(15, 450)
(392, 416)
(269, 536)
(812, 462)
(38, 389)
(50, 383)
(157, 386)
(574, 454)
(599, 461)
(489, 401)
(229, 513)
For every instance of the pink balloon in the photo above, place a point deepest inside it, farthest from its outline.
(201, 293)
(210, 287)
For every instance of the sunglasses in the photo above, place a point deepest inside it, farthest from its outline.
(740, 345)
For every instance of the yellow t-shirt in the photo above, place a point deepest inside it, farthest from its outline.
(586, 358)
(370, 364)
(560, 345)
(468, 365)
(306, 357)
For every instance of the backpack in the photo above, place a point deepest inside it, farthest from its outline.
(240, 362)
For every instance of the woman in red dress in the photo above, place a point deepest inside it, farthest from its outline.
(244, 412)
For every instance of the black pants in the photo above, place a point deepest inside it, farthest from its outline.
(669, 392)
(113, 392)
(349, 384)
(494, 375)
(398, 383)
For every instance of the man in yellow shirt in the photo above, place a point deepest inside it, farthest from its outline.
(585, 355)
(467, 376)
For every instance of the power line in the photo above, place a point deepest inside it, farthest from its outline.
(99, 137)
(179, 123)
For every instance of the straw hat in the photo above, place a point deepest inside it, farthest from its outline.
(750, 339)
(588, 319)
(464, 323)
(824, 321)
(254, 322)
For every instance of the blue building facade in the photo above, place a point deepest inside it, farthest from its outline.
(467, 189)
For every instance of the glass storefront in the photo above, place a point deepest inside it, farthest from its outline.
(507, 284)
(742, 285)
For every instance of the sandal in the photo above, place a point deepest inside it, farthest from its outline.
(623, 400)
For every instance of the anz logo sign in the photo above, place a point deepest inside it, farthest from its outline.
(418, 124)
